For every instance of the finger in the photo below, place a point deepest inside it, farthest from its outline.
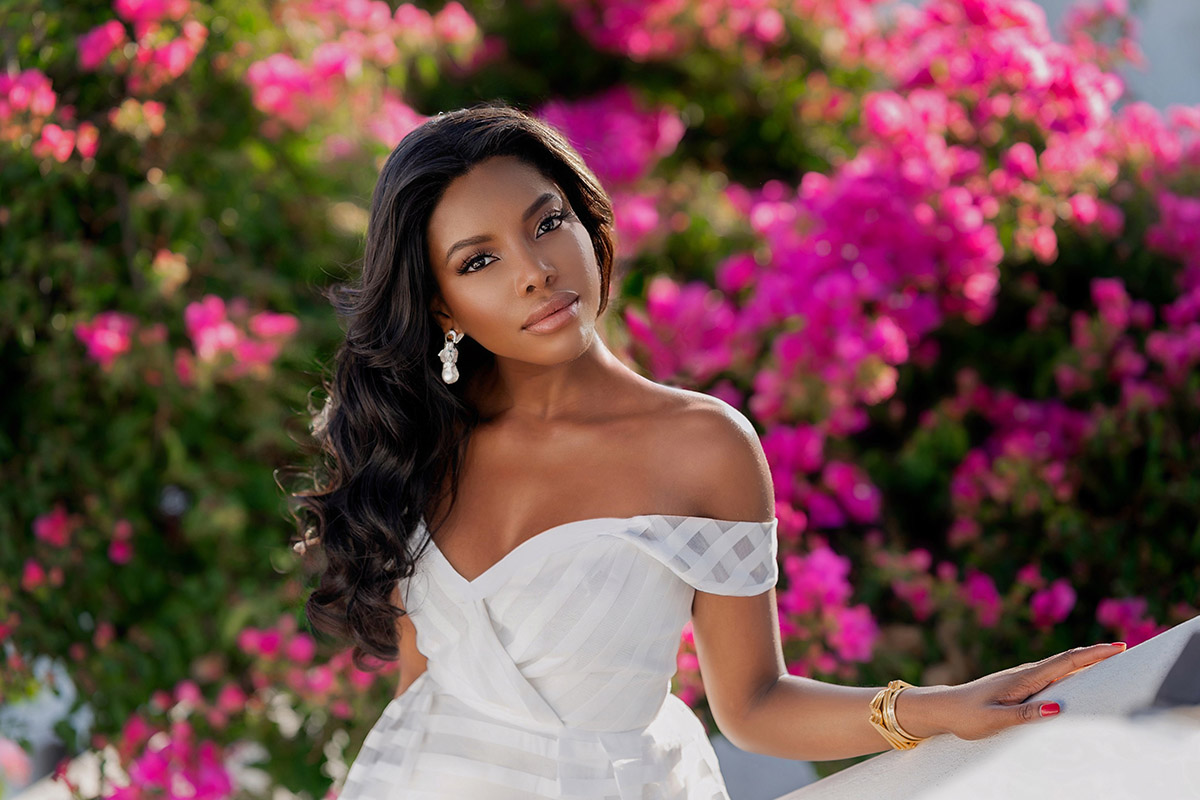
(1106, 651)
(1077, 658)
(1032, 712)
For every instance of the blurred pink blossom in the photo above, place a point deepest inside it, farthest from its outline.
(1051, 605)
(15, 765)
(106, 336)
(617, 138)
(979, 592)
(95, 45)
(54, 527)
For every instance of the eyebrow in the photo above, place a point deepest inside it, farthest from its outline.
(529, 212)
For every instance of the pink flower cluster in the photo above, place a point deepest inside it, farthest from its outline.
(1089, 26)
(1177, 348)
(686, 332)
(27, 101)
(55, 527)
(228, 340)
(1050, 606)
(812, 492)
(159, 56)
(106, 336)
(1001, 52)
(1024, 464)
(658, 29)
(146, 14)
(176, 765)
(251, 341)
(283, 656)
(618, 139)
(347, 39)
(927, 589)
(980, 594)
(813, 608)
(861, 265)
(1127, 617)
(1176, 233)
(621, 142)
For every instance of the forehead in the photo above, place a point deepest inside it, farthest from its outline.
(494, 191)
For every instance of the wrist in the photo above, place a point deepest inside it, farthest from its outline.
(921, 710)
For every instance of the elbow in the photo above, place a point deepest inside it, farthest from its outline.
(737, 721)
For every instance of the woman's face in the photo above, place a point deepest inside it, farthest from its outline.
(500, 247)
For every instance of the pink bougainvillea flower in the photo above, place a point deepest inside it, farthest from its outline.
(394, 120)
(120, 551)
(54, 527)
(861, 499)
(1112, 301)
(1128, 618)
(95, 45)
(211, 332)
(33, 575)
(854, 633)
(1051, 605)
(687, 331)
(979, 592)
(636, 217)
(617, 138)
(106, 336)
(144, 14)
(231, 698)
(55, 141)
(301, 648)
(453, 25)
(27, 91)
(87, 139)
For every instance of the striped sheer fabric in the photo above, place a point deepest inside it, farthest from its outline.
(549, 674)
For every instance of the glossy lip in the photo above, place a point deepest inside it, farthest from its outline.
(557, 302)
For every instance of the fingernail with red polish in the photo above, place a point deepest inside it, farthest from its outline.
(1050, 709)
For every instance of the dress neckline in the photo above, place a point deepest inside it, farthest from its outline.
(548, 533)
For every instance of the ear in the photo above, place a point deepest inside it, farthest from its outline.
(441, 313)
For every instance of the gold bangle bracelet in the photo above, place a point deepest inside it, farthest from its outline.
(883, 717)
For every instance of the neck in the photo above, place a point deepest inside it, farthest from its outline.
(517, 391)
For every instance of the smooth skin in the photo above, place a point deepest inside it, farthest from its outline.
(570, 432)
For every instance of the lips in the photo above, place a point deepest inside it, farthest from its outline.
(556, 302)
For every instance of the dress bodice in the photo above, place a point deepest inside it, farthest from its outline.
(578, 627)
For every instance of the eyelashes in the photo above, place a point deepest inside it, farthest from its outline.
(471, 260)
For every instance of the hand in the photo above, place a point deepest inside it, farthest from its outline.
(994, 702)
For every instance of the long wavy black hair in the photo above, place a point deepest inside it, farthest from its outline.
(391, 433)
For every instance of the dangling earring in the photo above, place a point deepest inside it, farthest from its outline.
(448, 355)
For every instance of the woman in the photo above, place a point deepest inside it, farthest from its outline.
(543, 521)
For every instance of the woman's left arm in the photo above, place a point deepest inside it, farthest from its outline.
(762, 709)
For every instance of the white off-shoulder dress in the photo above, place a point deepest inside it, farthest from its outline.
(549, 674)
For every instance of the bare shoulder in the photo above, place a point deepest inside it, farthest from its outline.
(715, 454)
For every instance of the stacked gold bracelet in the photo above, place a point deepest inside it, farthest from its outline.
(883, 717)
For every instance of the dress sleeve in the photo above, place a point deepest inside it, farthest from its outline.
(729, 557)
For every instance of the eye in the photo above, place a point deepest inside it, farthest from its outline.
(561, 216)
(473, 259)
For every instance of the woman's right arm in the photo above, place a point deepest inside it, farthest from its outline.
(412, 663)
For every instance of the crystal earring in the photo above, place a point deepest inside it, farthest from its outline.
(448, 355)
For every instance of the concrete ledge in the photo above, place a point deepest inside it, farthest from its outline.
(1092, 750)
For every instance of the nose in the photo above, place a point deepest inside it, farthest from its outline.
(538, 272)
